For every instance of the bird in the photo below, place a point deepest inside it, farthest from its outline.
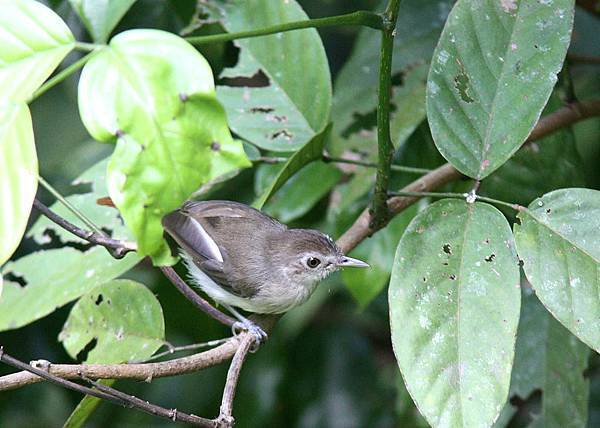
(243, 258)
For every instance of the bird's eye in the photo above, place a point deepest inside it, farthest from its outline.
(313, 262)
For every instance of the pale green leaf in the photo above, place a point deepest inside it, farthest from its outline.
(100, 17)
(454, 307)
(33, 41)
(491, 75)
(294, 105)
(311, 151)
(18, 174)
(153, 93)
(559, 243)
(52, 279)
(120, 320)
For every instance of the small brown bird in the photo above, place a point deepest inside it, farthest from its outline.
(241, 257)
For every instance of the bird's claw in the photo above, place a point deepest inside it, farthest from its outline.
(260, 335)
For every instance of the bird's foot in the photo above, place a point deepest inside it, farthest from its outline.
(247, 325)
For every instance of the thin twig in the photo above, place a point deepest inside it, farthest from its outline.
(226, 411)
(195, 298)
(117, 248)
(172, 349)
(327, 158)
(365, 18)
(68, 205)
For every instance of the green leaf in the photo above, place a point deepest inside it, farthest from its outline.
(153, 93)
(85, 408)
(493, 71)
(18, 174)
(418, 28)
(101, 17)
(120, 321)
(550, 359)
(366, 284)
(55, 277)
(539, 167)
(52, 279)
(558, 243)
(311, 151)
(33, 41)
(301, 192)
(454, 307)
(293, 106)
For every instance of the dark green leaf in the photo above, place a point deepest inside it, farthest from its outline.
(454, 307)
(120, 320)
(33, 41)
(558, 241)
(417, 31)
(549, 359)
(493, 71)
(18, 174)
(293, 106)
(101, 17)
(313, 150)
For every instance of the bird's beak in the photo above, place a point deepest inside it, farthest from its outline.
(346, 261)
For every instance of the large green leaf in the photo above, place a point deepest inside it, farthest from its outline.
(559, 243)
(33, 41)
(418, 28)
(153, 93)
(120, 321)
(313, 150)
(100, 17)
(492, 73)
(18, 174)
(550, 359)
(294, 106)
(454, 307)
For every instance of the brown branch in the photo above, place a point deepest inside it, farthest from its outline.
(583, 59)
(107, 393)
(117, 248)
(225, 418)
(139, 371)
(361, 228)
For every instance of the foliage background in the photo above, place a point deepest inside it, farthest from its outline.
(330, 362)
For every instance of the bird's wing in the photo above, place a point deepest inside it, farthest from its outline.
(192, 229)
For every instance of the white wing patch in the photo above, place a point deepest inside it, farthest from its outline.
(211, 245)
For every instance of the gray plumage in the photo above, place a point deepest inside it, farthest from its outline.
(244, 258)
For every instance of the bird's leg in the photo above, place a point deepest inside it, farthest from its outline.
(245, 324)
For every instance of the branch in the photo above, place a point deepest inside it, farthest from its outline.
(226, 412)
(117, 248)
(583, 59)
(107, 393)
(362, 228)
(365, 18)
(385, 147)
(139, 371)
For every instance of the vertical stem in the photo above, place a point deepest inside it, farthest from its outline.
(380, 212)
